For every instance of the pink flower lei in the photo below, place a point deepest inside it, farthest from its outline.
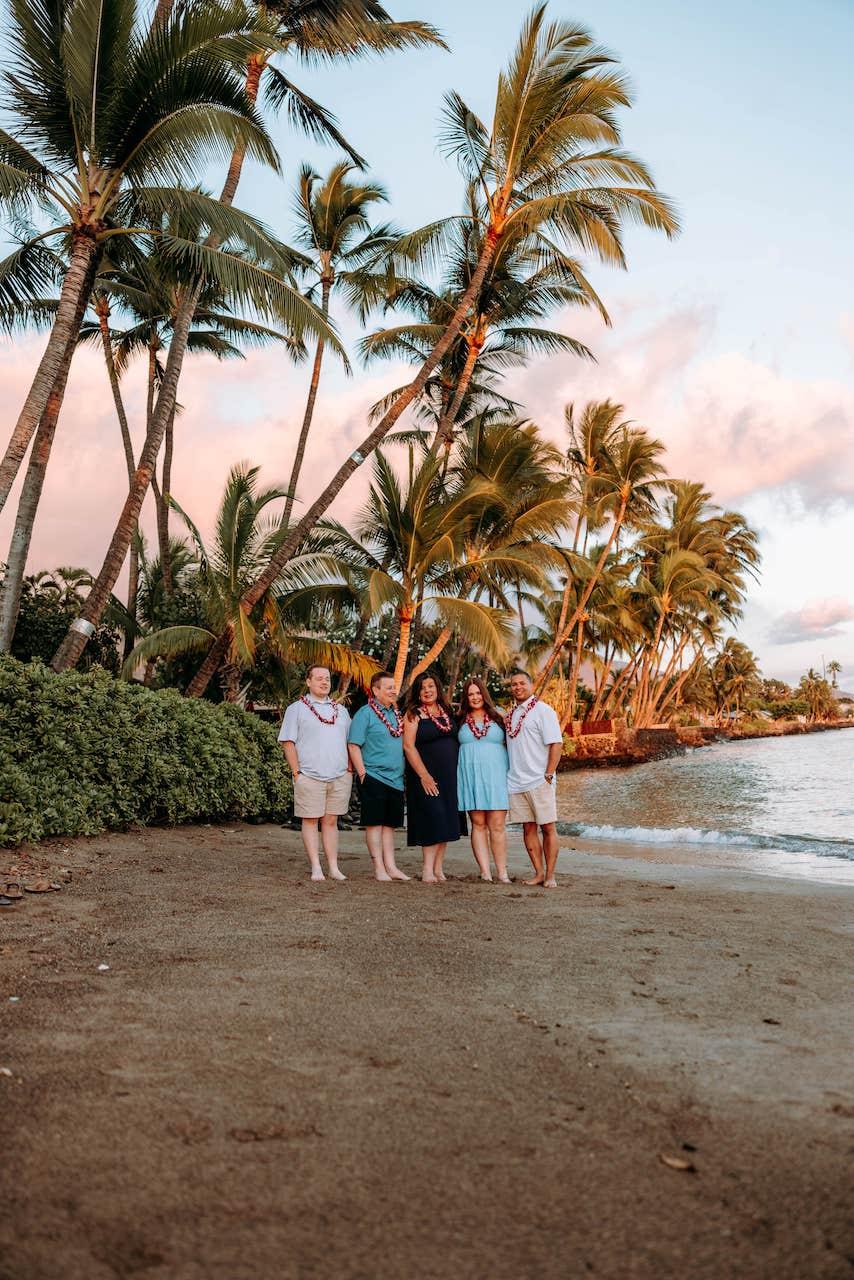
(514, 732)
(478, 730)
(314, 711)
(395, 730)
(442, 721)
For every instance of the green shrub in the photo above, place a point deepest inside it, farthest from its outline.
(82, 753)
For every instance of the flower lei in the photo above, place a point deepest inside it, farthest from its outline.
(442, 721)
(478, 730)
(514, 732)
(396, 730)
(314, 711)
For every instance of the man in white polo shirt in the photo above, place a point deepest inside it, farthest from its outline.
(534, 745)
(314, 738)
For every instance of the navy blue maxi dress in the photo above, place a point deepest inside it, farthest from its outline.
(434, 819)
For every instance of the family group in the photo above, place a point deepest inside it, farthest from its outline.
(447, 770)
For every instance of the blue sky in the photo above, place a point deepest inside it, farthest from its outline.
(735, 343)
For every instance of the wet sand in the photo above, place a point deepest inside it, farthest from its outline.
(279, 1079)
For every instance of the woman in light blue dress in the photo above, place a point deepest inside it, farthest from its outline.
(482, 777)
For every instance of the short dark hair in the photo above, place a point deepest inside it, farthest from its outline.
(318, 666)
(378, 677)
(520, 671)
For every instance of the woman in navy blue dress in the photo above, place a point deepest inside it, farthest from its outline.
(431, 749)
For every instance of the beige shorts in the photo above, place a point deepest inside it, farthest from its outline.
(539, 805)
(314, 798)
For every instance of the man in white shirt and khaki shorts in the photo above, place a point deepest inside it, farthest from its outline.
(314, 738)
(534, 746)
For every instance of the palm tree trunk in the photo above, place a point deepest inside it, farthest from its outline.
(210, 666)
(54, 364)
(163, 12)
(256, 64)
(19, 546)
(326, 285)
(569, 713)
(432, 653)
(407, 612)
(445, 430)
(391, 641)
(103, 311)
(82, 627)
(163, 508)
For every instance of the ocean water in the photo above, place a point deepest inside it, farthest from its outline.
(784, 804)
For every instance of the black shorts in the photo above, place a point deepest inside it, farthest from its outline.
(382, 805)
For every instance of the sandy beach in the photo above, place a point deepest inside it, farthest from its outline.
(278, 1079)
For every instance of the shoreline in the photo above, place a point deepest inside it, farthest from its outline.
(664, 743)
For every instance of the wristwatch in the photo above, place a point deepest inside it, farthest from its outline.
(549, 777)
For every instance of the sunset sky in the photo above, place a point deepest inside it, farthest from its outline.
(734, 344)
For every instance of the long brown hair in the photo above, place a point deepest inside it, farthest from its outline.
(413, 699)
(488, 705)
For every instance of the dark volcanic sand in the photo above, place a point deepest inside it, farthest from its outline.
(276, 1079)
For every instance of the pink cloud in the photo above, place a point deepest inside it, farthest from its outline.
(816, 620)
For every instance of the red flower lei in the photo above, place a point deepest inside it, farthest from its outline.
(442, 721)
(314, 711)
(379, 711)
(478, 730)
(514, 733)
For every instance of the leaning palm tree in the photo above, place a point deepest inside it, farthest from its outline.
(550, 163)
(334, 229)
(244, 538)
(97, 119)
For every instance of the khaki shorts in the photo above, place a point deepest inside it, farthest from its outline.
(539, 805)
(314, 798)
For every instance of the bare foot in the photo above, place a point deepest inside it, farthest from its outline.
(336, 874)
(486, 879)
(380, 873)
(317, 874)
(395, 873)
(536, 880)
(442, 878)
(504, 880)
(429, 880)
(550, 884)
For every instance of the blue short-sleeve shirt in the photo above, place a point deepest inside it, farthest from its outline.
(382, 754)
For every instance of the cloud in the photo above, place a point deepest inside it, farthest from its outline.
(816, 620)
(739, 426)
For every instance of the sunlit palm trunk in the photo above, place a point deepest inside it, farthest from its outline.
(444, 437)
(254, 68)
(103, 311)
(309, 407)
(210, 666)
(22, 533)
(436, 648)
(54, 364)
(406, 614)
(569, 713)
(163, 508)
(19, 546)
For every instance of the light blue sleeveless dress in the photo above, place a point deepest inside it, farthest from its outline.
(482, 770)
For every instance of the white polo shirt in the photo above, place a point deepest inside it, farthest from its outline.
(529, 752)
(321, 748)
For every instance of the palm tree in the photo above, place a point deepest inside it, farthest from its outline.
(335, 230)
(625, 492)
(99, 117)
(551, 164)
(527, 278)
(244, 538)
(834, 668)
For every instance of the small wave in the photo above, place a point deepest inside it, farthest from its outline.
(821, 846)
